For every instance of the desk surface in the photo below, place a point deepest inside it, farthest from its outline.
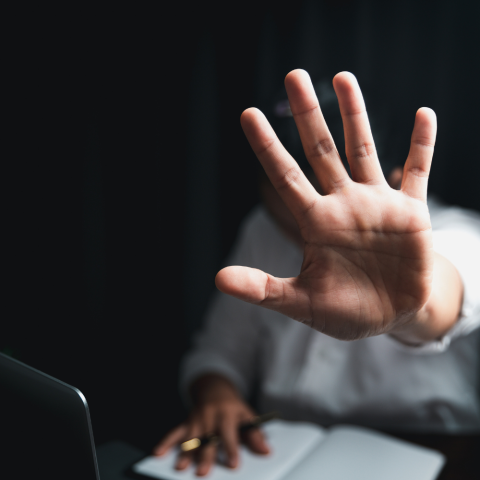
(462, 453)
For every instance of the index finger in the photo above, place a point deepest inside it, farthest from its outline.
(282, 170)
(172, 438)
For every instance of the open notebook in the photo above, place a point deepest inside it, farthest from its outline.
(304, 451)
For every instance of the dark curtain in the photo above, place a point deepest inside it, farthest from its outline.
(127, 173)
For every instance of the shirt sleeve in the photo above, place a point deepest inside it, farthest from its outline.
(228, 343)
(457, 238)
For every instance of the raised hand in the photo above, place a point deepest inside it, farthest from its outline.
(368, 264)
(218, 409)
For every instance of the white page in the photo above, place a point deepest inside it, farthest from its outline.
(289, 442)
(356, 453)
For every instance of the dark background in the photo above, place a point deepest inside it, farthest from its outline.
(126, 173)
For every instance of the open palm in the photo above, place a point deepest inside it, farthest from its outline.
(368, 258)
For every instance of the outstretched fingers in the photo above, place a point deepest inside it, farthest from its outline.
(317, 141)
(286, 176)
(417, 166)
(251, 285)
(359, 144)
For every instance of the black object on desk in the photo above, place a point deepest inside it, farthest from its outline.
(45, 426)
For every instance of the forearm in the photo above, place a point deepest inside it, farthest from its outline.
(442, 309)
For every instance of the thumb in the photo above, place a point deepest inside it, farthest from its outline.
(284, 295)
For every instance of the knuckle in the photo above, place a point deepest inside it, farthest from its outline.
(364, 151)
(355, 112)
(321, 149)
(418, 172)
(288, 179)
(265, 147)
(423, 141)
(307, 111)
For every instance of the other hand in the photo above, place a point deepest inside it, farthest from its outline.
(218, 409)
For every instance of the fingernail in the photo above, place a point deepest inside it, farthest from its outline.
(202, 469)
(181, 464)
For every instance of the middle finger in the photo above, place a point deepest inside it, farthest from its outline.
(317, 141)
(359, 145)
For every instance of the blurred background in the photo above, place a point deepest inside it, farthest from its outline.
(127, 173)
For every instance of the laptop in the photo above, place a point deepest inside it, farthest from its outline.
(45, 426)
(46, 433)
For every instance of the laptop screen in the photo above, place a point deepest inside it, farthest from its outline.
(45, 426)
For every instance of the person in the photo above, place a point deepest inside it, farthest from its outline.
(386, 309)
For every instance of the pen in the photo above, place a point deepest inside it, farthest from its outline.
(195, 443)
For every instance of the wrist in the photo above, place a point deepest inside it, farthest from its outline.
(441, 310)
(212, 388)
(417, 330)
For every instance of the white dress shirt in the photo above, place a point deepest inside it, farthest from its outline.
(377, 381)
